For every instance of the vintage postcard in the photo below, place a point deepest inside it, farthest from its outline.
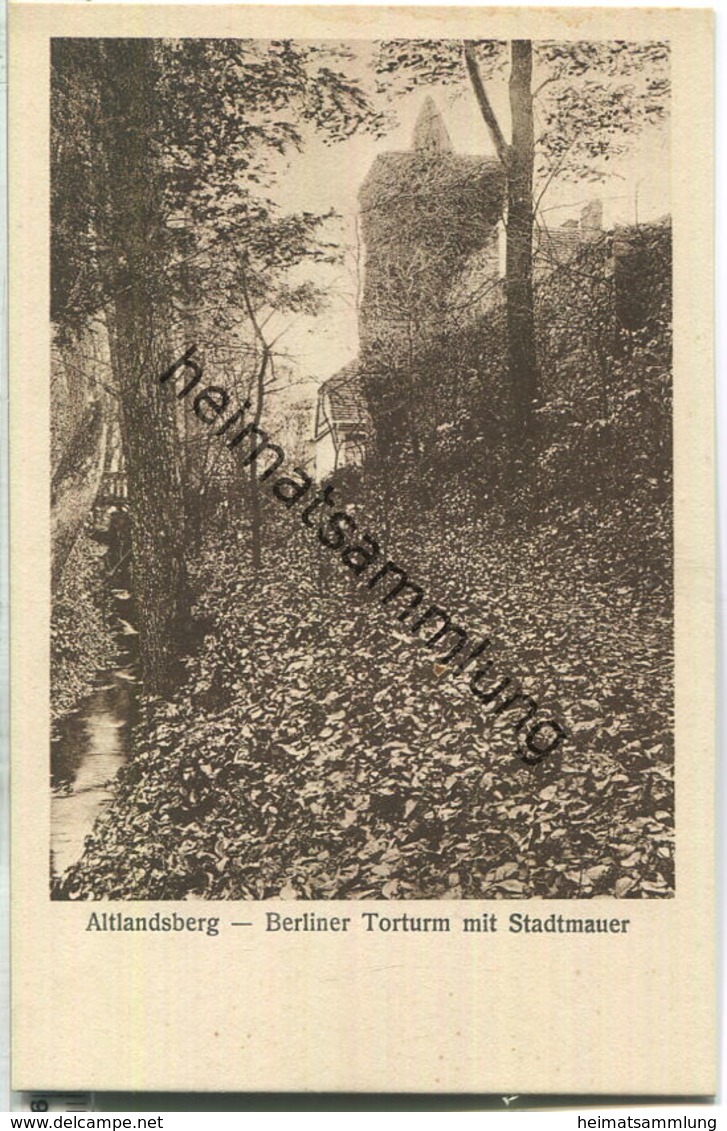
(362, 549)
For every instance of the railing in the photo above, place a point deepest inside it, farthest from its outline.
(114, 487)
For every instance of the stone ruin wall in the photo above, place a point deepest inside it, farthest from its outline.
(429, 224)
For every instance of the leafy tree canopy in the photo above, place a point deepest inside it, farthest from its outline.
(590, 97)
(226, 111)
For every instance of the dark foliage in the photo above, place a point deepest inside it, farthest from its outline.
(313, 752)
(81, 640)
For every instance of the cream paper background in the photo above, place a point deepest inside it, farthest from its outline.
(251, 1011)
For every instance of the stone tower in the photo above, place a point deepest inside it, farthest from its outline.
(430, 132)
(429, 222)
(427, 215)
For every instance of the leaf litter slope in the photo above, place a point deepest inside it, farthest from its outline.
(314, 753)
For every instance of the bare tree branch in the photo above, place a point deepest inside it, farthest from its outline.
(501, 147)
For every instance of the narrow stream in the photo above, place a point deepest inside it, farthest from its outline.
(91, 744)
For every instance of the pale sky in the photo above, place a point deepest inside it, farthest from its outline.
(329, 176)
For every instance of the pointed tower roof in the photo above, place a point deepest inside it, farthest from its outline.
(430, 132)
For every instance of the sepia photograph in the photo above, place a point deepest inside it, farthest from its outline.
(361, 491)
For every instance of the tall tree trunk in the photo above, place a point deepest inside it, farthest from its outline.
(74, 487)
(133, 236)
(256, 526)
(517, 160)
(522, 359)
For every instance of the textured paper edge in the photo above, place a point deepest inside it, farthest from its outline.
(615, 1015)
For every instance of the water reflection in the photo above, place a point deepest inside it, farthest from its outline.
(88, 749)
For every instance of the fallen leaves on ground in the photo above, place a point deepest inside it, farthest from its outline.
(314, 752)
